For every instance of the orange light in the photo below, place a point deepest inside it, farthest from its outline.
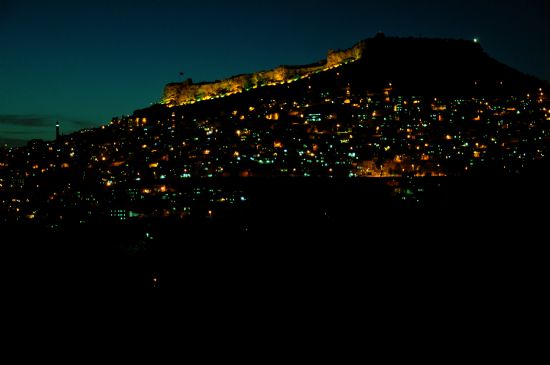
(274, 116)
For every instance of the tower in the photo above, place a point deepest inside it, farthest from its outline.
(57, 131)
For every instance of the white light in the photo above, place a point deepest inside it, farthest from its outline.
(476, 40)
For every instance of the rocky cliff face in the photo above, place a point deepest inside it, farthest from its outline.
(187, 92)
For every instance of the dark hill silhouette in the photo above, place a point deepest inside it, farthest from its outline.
(436, 66)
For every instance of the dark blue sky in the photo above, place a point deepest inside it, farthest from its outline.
(83, 62)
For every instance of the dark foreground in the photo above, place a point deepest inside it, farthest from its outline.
(301, 235)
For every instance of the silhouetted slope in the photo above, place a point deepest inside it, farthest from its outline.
(435, 66)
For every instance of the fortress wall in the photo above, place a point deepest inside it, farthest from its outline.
(186, 92)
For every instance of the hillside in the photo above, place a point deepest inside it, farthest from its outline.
(396, 140)
(390, 108)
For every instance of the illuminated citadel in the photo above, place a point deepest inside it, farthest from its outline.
(187, 92)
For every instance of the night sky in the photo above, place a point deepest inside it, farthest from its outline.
(84, 62)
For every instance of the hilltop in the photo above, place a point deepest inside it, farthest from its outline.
(416, 66)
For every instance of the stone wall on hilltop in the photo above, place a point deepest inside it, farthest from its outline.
(188, 92)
